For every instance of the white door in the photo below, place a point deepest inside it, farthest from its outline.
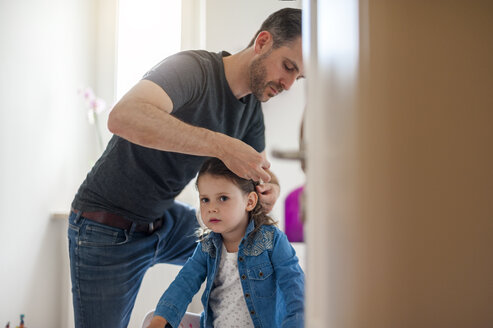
(399, 132)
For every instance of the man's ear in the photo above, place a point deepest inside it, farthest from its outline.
(252, 201)
(263, 42)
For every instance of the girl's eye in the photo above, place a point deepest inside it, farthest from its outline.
(223, 198)
(204, 200)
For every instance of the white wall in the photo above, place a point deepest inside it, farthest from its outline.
(47, 53)
(50, 49)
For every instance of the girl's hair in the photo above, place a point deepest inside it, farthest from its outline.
(216, 167)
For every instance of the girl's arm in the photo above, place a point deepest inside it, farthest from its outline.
(174, 302)
(290, 278)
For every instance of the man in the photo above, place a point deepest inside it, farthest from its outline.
(191, 106)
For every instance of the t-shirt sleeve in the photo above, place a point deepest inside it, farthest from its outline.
(180, 76)
(255, 135)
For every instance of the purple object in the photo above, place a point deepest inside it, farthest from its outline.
(292, 222)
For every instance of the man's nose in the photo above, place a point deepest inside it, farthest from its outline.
(288, 81)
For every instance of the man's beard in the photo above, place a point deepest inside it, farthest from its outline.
(258, 77)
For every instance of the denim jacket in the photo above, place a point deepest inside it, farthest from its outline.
(272, 280)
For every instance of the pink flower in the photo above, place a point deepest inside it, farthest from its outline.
(94, 104)
(88, 94)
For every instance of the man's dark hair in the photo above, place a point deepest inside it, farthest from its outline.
(284, 25)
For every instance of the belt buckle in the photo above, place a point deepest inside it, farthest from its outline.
(151, 227)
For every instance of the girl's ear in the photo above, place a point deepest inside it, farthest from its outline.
(252, 201)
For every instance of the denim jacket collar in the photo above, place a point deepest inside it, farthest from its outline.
(251, 245)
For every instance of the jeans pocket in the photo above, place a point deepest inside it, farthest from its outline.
(99, 235)
(263, 280)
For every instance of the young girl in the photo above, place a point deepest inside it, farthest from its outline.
(253, 275)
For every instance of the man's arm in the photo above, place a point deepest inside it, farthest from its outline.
(143, 117)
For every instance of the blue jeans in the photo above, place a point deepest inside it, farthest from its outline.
(108, 264)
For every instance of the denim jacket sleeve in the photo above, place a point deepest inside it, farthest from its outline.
(174, 302)
(291, 280)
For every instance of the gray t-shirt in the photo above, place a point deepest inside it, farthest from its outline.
(140, 183)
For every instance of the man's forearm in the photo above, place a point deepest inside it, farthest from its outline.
(151, 127)
(143, 117)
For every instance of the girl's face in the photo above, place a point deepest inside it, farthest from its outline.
(223, 206)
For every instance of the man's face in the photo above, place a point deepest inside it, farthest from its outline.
(276, 70)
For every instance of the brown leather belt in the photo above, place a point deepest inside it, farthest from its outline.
(117, 221)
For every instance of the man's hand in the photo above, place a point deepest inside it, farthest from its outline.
(244, 161)
(247, 163)
(268, 193)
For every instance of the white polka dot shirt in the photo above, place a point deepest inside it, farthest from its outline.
(226, 300)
